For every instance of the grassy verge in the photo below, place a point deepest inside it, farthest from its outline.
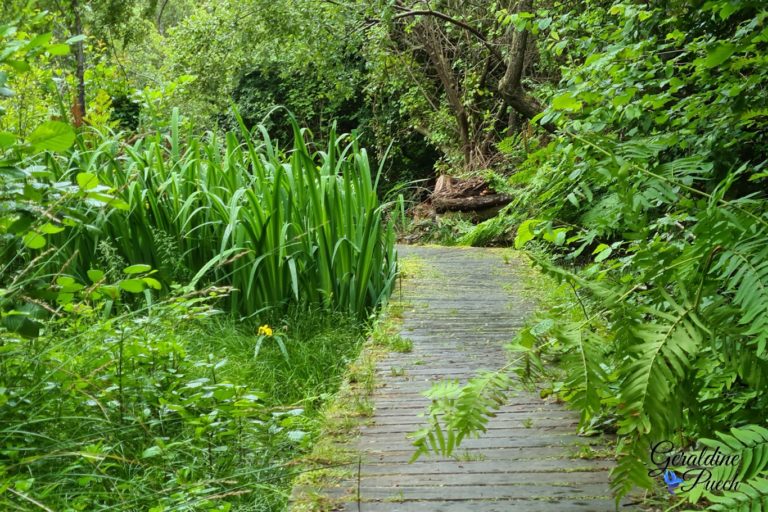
(296, 384)
(169, 410)
(327, 477)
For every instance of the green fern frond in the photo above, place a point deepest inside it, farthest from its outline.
(750, 445)
(668, 344)
(458, 412)
(751, 496)
(685, 170)
(631, 468)
(642, 149)
(743, 268)
(585, 377)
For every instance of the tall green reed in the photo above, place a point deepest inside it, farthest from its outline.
(299, 225)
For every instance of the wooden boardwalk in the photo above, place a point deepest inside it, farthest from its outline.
(463, 308)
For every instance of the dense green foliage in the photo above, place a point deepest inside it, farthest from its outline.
(275, 225)
(122, 383)
(652, 206)
(163, 409)
(631, 136)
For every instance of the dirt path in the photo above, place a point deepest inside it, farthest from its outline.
(465, 305)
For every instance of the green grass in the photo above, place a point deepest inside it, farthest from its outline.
(320, 347)
(170, 409)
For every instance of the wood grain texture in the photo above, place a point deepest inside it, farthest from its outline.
(462, 310)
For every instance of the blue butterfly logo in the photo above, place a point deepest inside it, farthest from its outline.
(672, 481)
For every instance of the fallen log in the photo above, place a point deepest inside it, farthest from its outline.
(467, 204)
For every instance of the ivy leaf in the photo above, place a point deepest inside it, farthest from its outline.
(52, 136)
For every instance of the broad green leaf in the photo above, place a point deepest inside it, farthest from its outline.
(65, 281)
(68, 284)
(111, 291)
(114, 202)
(21, 66)
(52, 136)
(152, 283)
(34, 240)
(58, 49)
(152, 451)
(87, 181)
(39, 40)
(95, 275)
(132, 285)
(717, 55)
(224, 393)
(75, 39)
(50, 229)
(566, 102)
(6, 140)
(137, 269)
(602, 255)
(525, 233)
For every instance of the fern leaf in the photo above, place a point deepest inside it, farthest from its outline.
(744, 270)
(751, 496)
(585, 376)
(458, 412)
(667, 346)
(750, 444)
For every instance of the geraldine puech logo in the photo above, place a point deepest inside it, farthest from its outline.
(684, 471)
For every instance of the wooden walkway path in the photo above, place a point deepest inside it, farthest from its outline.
(463, 309)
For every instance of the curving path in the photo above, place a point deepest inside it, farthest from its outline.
(464, 305)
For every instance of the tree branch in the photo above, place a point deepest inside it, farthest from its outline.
(472, 30)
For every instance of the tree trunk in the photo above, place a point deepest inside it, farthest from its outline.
(448, 80)
(160, 26)
(510, 85)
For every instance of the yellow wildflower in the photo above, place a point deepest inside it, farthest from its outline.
(265, 330)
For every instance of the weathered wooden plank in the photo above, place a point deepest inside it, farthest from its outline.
(518, 505)
(523, 455)
(400, 442)
(562, 478)
(426, 467)
(498, 429)
(485, 492)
